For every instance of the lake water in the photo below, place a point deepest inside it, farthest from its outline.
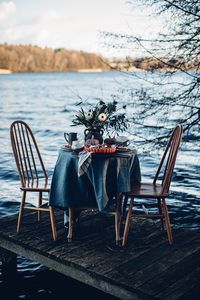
(47, 102)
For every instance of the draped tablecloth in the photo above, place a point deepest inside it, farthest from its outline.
(106, 175)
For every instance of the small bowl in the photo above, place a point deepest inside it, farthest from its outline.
(122, 141)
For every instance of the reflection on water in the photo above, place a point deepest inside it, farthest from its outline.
(47, 103)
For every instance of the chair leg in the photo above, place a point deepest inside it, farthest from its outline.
(160, 209)
(124, 206)
(53, 223)
(71, 221)
(127, 223)
(167, 222)
(39, 204)
(21, 211)
(118, 219)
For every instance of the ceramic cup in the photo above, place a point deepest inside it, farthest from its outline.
(77, 145)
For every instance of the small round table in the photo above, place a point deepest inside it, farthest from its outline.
(107, 175)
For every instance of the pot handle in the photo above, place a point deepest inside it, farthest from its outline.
(86, 131)
(101, 131)
(65, 136)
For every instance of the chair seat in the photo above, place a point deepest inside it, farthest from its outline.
(149, 190)
(36, 185)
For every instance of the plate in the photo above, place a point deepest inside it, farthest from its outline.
(122, 140)
(122, 149)
(106, 150)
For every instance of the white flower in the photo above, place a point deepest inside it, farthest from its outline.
(89, 115)
(102, 117)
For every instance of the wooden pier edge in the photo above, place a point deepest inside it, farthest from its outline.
(88, 278)
(148, 268)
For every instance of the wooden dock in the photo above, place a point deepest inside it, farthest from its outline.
(148, 268)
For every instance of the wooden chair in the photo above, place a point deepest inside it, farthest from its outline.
(157, 190)
(32, 173)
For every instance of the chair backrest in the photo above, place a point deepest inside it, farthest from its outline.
(26, 152)
(168, 160)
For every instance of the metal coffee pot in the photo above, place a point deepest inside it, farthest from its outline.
(70, 137)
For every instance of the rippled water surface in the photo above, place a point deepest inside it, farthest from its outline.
(46, 101)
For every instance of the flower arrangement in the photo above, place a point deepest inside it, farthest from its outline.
(102, 116)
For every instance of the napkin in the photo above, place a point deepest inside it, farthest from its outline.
(84, 161)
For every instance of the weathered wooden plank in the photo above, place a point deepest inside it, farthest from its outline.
(146, 259)
(181, 287)
(162, 264)
(75, 272)
(126, 255)
(92, 258)
(143, 270)
(173, 273)
(112, 259)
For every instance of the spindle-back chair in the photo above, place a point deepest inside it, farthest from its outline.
(31, 169)
(157, 190)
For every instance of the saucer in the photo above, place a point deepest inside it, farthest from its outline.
(67, 147)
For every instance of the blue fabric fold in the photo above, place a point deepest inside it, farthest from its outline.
(102, 176)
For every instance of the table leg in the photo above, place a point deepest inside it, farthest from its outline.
(118, 218)
(71, 221)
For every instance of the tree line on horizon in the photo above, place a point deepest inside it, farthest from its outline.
(28, 58)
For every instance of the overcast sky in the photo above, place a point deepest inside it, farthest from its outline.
(72, 24)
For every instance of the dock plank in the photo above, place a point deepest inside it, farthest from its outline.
(175, 273)
(178, 289)
(148, 268)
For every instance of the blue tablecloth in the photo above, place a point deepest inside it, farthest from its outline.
(106, 175)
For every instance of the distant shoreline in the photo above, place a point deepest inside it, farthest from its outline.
(98, 70)
(32, 59)
(5, 71)
(91, 70)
